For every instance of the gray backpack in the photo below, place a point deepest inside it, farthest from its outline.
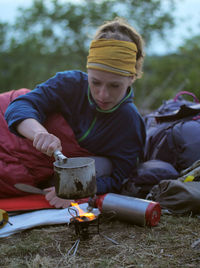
(173, 132)
(181, 196)
(177, 197)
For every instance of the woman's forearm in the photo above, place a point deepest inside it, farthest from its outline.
(29, 128)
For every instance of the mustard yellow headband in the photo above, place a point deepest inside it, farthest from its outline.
(114, 56)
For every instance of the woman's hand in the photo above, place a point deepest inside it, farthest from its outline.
(46, 143)
(56, 201)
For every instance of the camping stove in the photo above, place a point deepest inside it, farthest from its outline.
(85, 226)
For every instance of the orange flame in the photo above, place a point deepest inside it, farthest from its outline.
(82, 213)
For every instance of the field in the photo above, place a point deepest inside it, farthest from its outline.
(175, 242)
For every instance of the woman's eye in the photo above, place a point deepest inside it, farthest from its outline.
(114, 86)
(95, 83)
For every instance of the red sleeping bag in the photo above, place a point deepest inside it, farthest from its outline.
(20, 162)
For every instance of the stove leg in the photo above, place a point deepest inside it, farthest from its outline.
(73, 248)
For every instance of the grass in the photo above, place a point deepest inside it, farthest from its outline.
(170, 244)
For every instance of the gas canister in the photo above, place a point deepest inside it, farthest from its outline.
(134, 210)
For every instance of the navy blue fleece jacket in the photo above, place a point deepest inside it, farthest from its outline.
(118, 134)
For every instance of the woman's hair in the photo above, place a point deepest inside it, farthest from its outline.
(119, 29)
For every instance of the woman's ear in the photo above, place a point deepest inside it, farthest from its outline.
(132, 79)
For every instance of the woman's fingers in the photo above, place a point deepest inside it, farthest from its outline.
(54, 200)
(47, 143)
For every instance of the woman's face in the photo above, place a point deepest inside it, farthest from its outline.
(107, 88)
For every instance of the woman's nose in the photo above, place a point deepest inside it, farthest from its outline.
(103, 92)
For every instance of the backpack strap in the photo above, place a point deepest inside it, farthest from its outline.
(186, 93)
(160, 132)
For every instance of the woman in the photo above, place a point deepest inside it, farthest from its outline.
(97, 106)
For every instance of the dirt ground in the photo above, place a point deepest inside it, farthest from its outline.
(174, 242)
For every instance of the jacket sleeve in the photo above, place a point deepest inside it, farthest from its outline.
(52, 96)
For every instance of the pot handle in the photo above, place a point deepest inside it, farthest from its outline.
(61, 158)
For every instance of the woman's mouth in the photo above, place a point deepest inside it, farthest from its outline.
(103, 104)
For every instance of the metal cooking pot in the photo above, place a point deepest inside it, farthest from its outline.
(74, 177)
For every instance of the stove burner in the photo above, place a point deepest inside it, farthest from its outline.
(83, 226)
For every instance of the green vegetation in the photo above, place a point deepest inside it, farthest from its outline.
(164, 76)
(53, 36)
